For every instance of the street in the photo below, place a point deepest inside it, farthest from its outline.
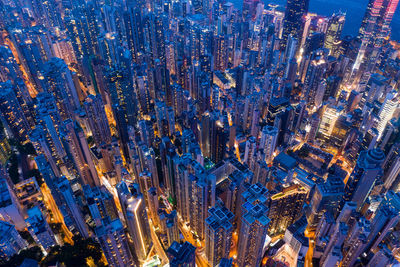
(57, 216)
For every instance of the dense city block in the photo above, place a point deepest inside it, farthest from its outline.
(202, 133)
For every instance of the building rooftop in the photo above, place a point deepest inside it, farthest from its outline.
(225, 262)
(255, 193)
(29, 263)
(5, 227)
(254, 206)
(220, 217)
(297, 229)
(181, 253)
(113, 226)
(285, 161)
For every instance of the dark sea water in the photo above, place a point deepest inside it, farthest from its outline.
(354, 9)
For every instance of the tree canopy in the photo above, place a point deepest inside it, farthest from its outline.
(75, 255)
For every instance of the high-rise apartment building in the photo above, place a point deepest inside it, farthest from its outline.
(114, 242)
(253, 226)
(293, 20)
(39, 228)
(10, 242)
(363, 177)
(285, 208)
(218, 234)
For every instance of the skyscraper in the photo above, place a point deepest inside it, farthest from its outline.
(114, 243)
(97, 119)
(377, 19)
(10, 241)
(333, 33)
(181, 254)
(326, 198)
(10, 209)
(101, 205)
(72, 208)
(268, 142)
(253, 226)
(133, 207)
(285, 208)
(374, 29)
(363, 177)
(386, 111)
(219, 138)
(59, 82)
(293, 20)
(79, 149)
(195, 192)
(169, 224)
(40, 229)
(138, 227)
(249, 8)
(218, 234)
(12, 112)
(258, 134)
